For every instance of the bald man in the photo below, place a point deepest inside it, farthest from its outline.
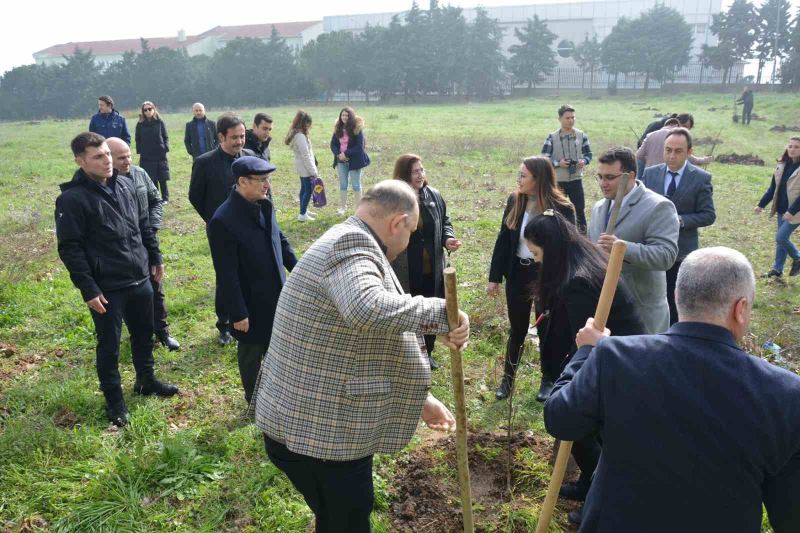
(201, 133)
(147, 196)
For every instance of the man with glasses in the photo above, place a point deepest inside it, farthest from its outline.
(649, 224)
(250, 253)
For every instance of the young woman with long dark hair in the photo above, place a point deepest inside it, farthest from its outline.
(420, 268)
(571, 274)
(784, 193)
(511, 260)
(304, 161)
(349, 154)
(152, 145)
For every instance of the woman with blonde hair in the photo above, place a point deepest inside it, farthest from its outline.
(512, 260)
(349, 154)
(152, 145)
(304, 161)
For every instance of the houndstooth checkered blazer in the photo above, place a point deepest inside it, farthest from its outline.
(344, 376)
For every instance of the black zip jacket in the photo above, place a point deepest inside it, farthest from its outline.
(104, 238)
(251, 142)
(212, 180)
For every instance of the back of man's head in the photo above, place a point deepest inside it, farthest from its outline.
(388, 197)
(710, 282)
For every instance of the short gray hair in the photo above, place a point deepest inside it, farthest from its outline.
(711, 280)
(389, 197)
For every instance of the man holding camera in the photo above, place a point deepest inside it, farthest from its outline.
(568, 148)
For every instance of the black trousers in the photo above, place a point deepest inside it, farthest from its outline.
(574, 191)
(134, 305)
(424, 285)
(250, 356)
(223, 321)
(340, 493)
(159, 306)
(587, 455)
(672, 277)
(746, 114)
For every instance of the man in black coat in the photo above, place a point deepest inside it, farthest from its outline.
(697, 433)
(210, 185)
(260, 136)
(110, 251)
(690, 189)
(250, 253)
(201, 134)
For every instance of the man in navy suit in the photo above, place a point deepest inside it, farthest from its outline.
(250, 253)
(697, 433)
(690, 189)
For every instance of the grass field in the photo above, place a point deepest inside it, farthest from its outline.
(192, 463)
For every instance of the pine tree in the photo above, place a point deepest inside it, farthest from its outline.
(533, 59)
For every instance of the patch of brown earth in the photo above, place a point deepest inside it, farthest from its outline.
(65, 418)
(706, 140)
(783, 128)
(738, 159)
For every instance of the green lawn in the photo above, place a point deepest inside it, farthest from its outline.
(192, 463)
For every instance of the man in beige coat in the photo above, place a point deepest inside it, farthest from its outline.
(344, 377)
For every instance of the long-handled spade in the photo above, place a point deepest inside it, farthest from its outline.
(457, 372)
(600, 318)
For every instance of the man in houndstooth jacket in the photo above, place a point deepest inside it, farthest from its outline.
(344, 377)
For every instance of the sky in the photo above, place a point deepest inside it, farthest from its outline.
(33, 27)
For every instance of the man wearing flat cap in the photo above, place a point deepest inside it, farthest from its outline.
(250, 253)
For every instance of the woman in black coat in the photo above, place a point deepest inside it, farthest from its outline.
(571, 274)
(152, 145)
(512, 261)
(420, 268)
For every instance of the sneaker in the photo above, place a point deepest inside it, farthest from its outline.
(341, 211)
(311, 213)
(432, 362)
(164, 202)
(116, 411)
(150, 386)
(224, 338)
(305, 218)
(778, 276)
(795, 268)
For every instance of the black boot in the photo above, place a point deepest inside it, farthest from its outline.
(116, 411)
(151, 385)
(575, 517)
(545, 388)
(574, 491)
(433, 363)
(504, 390)
(168, 341)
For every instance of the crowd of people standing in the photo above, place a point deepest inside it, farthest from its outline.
(335, 348)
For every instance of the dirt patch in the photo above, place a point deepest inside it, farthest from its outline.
(783, 128)
(738, 159)
(65, 418)
(425, 487)
(7, 349)
(700, 141)
(755, 116)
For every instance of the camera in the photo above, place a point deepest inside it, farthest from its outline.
(572, 166)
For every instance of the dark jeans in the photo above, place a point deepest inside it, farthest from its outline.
(339, 493)
(134, 305)
(672, 277)
(159, 306)
(746, 114)
(574, 190)
(250, 356)
(223, 321)
(305, 193)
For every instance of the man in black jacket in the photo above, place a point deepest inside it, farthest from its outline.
(250, 253)
(210, 185)
(110, 252)
(260, 136)
(201, 134)
(689, 420)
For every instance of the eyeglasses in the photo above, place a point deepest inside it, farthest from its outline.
(418, 172)
(600, 177)
(263, 180)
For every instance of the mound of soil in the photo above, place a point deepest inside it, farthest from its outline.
(426, 500)
(738, 159)
(783, 128)
(65, 418)
(700, 141)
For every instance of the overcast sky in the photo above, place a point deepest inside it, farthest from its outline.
(33, 26)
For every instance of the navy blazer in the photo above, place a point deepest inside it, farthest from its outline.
(355, 151)
(693, 199)
(696, 433)
(249, 260)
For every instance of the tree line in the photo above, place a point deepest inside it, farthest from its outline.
(423, 52)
